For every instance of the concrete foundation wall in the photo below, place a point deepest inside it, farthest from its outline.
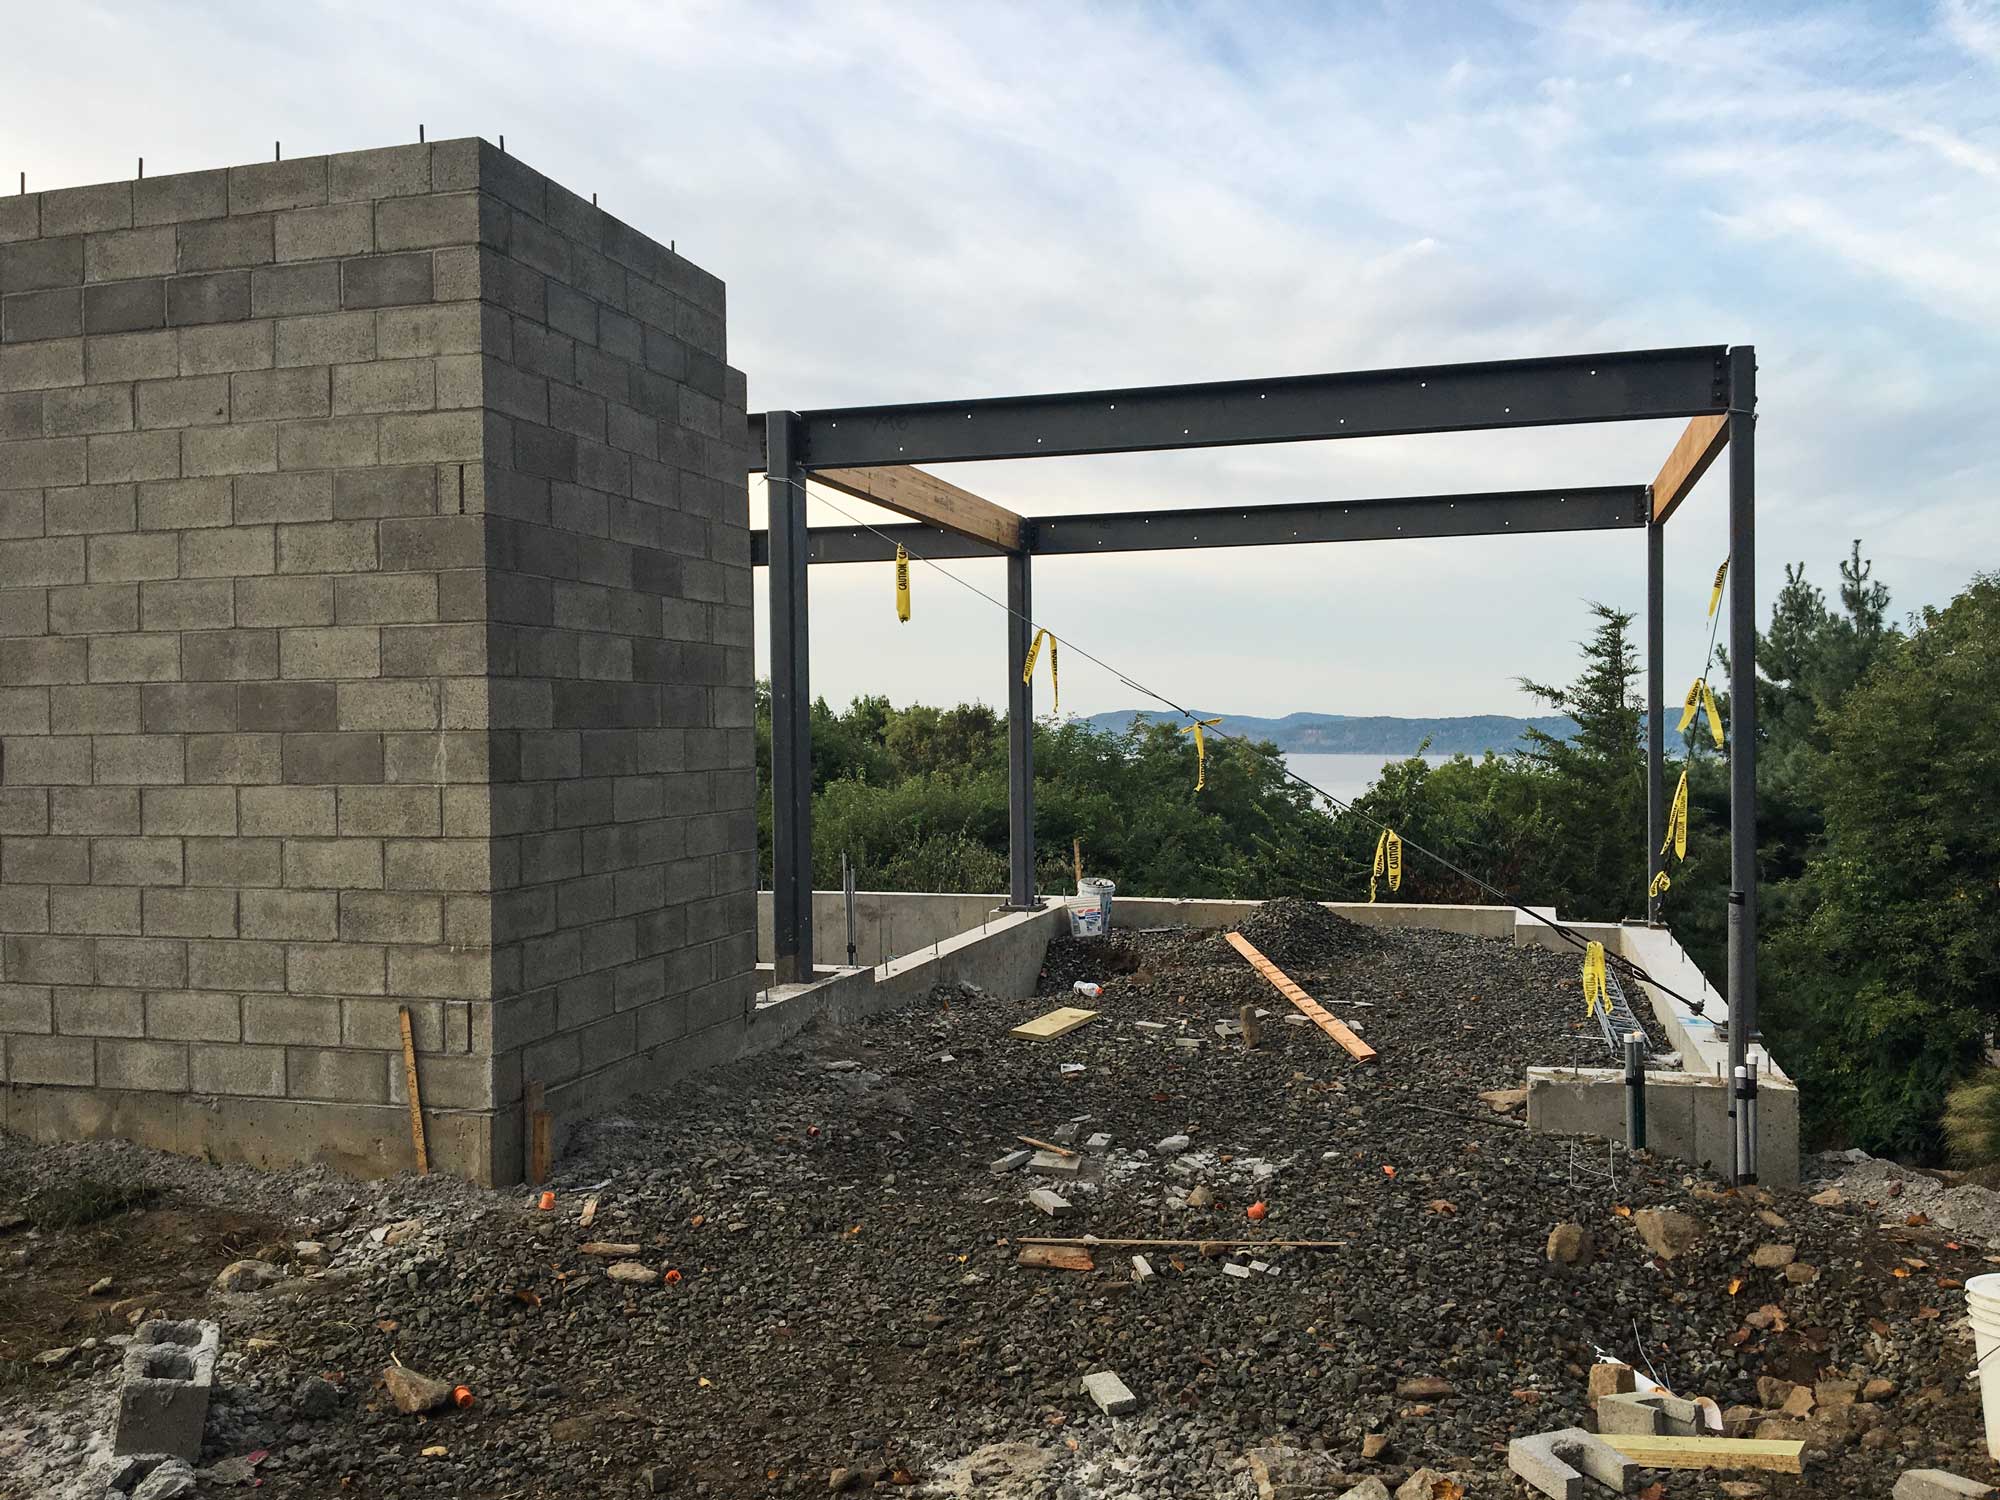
(1687, 1115)
(372, 559)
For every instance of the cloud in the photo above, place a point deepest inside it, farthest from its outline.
(918, 202)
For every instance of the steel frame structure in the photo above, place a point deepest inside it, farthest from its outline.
(1713, 386)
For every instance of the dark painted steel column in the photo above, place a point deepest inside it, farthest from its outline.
(791, 706)
(1020, 733)
(1742, 710)
(1656, 729)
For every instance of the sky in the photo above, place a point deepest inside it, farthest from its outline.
(925, 201)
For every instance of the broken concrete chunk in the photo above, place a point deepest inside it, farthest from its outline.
(1013, 1161)
(1110, 1393)
(1053, 1204)
(1173, 1145)
(1556, 1463)
(1608, 1379)
(414, 1393)
(1938, 1484)
(1773, 1257)
(631, 1273)
(1230, 1268)
(170, 1481)
(1282, 1473)
(1098, 1143)
(1569, 1245)
(1666, 1232)
(1370, 1488)
(1505, 1101)
(246, 1276)
(1142, 1270)
(1048, 1161)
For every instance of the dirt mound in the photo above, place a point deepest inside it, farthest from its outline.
(1296, 933)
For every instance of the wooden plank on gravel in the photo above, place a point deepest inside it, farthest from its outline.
(1055, 1258)
(1055, 1023)
(1318, 1014)
(1781, 1457)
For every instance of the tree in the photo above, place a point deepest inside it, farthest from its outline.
(1892, 981)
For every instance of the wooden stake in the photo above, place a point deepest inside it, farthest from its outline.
(1055, 1258)
(535, 1140)
(416, 1099)
(1246, 1020)
(1076, 850)
(1324, 1019)
(1048, 1146)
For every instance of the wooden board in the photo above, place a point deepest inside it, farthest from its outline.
(416, 1098)
(1318, 1014)
(1705, 437)
(1055, 1023)
(925, 497)
(1709, 1453)
(1055, 1258)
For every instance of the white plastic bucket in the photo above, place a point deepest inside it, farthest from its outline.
(1087, 916)
(1091, 885)
(1982, 1306)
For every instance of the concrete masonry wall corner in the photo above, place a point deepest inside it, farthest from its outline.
(374, 633)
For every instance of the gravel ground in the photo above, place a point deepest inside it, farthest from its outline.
(848, 1295)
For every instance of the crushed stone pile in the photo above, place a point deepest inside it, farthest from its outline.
(847, 1307)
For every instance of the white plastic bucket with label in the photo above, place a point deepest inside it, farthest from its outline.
(1091, 885)
(1087, 916)
(1982, 1306)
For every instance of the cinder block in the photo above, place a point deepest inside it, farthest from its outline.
(79, 411)
(81, 210)
(434, 438)
(284, 601)
(172, 604)
(122, 254)
(290, 1020)
(329, 339)
(385, 280)
(288, 810)
(195, 810)
(124, 306)
(47, 760)
(324, 233)
(44, 861)
(274, 395)
(141, 760)
(433, 329)
(105, 810)
(141, 961)
(332, 547)
(65, 1060)
(220, 348)
(92, 608)
(339, 442)
(389, 598)
(183, 504)
(242, 1071)
(1939, 1484)
(295, 915)
(180, 197)
(338, 651)
(327, 1073)
(136, 861)
(194, 401)
(396, 385)
(20, 217)
(213, 297)
(43, 366)
(392, 704)
(249, 449)
(435, 220)
(236, 965)
(295, 291)
(339, 864)
(189, 913)
(192, 1016)
(225, 244)
(134, 558)
(277, 184)
(228, 551)
(40, 264)
(287, 706)
(234, 759)
(125, 458)
(26, 1008)
(135, 658)
(169, 1373)
(438, 865)
(1560, 1463)
(111, 911)
(390, 917)
(392, 172)
(161, 1067)
(338, 759)
(233, 862)
(38, 463)
(180, 708)
(55, 314)
(290, 497)
(335, 968)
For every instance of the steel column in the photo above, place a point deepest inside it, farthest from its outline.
(791, 707)
(1742, 714)
(1020, 734)
(1656, 729)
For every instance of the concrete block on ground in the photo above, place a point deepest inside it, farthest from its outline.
(1053, 1204)
(1112, 1395)
(169, 1374)
(1560, 1463)
(1048, 1161)
(1013, 1161)
(1630, 1412)
(1938, 1484)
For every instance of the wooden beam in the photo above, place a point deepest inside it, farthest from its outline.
(1708, 1453)
(1706, 436)
(1318, 1014)
(925, 497)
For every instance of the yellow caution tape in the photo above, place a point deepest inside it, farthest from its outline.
(1596, 987)
(1715, 594)
(1200, 750)
(1660, 886)
(1389, 860)
(1677, 821)
(1714, 715)
(1690, 705)
(902, 585)
(1055, 679)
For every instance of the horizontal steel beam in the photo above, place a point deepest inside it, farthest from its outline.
(1614, 387)
(1501, 513)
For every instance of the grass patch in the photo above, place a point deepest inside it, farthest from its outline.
(88, 1200)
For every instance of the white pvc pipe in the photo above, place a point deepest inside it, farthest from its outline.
(1982, 1306)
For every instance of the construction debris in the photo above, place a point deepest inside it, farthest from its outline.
(622, 1249)
(1939, 1484)
(1355, 1048)
(1055, 1258)
(1561, 1463)
(1060, 1022)
(169, 1375)
(1053, 1204)
(414, 1393)
(1110, 1393)
(1709, 1452)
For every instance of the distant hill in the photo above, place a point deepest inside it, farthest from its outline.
(1369, 734)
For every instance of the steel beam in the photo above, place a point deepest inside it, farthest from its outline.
(1612, 387)
(1742, 717)
(1656, 729)
(1020, 733)
(1590, 508)
(791, 710)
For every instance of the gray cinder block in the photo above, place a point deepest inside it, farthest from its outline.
(169, 1373)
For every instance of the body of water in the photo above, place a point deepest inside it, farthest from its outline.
(1346, 776)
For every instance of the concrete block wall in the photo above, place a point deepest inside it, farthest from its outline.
(366, 537)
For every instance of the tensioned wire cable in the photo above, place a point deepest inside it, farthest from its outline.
(1623, 965)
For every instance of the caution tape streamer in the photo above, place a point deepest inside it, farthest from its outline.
(1660, 886)
(1677, 821)
(1388, 860)
(902, 584)
(1596, 987)
(1200, 750)
(1713, 714)
(1055, 677)
(1715, 594)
